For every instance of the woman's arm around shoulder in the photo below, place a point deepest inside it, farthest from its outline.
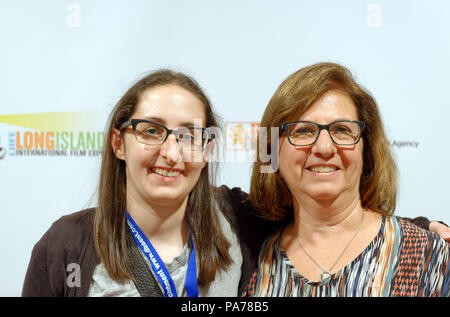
(434, 226)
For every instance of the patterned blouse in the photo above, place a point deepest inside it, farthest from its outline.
(402, 260)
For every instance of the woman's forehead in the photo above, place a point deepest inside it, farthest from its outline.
(169, 103)
(331, 106)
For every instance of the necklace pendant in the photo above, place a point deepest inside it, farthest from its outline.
(325, 277)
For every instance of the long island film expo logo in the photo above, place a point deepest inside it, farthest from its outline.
(61, 134)
(77, 134)
(69, 134)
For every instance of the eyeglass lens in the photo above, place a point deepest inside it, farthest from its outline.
(153, 134)
(305, 133)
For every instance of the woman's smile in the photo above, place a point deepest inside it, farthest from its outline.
(166, 175)
(323, 169)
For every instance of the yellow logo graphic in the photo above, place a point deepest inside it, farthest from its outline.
(56, 121)
(241, 136)
(56, 133)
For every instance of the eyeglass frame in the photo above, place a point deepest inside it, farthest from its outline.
(285, 126)
(175, 132)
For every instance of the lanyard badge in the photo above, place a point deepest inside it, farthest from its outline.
(158, 266)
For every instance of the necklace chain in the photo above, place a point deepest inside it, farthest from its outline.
(328, 272)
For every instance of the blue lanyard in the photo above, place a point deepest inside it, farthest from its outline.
(158, 266)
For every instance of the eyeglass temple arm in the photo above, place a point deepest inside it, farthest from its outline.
(125, 124)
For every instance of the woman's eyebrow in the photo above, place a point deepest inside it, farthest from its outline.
(163, 122)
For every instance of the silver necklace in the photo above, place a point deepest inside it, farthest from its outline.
(325, 276)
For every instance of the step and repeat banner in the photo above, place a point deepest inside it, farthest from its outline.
(64, 65)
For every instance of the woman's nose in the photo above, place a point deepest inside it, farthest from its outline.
(324, 146)
(171, 150)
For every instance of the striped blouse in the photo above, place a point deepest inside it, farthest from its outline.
(402, 260)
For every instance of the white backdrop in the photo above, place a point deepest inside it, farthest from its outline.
(64, 64)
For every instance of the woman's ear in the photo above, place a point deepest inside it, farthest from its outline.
(207, 152)
(117, 144)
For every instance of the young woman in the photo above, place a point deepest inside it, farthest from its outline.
(161, 228)
(157, 219)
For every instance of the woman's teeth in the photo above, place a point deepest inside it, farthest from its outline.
(323, 169)
(166, 173)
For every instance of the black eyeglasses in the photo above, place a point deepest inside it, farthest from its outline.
(154, 133)
(304, 133)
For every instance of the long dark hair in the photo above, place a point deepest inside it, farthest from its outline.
(109, 224)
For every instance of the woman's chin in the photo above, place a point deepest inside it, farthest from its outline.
(324, 194)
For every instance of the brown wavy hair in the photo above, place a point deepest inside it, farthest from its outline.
(379, 178)
(110, 223)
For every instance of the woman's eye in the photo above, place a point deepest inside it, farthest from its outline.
(341, 129)
(153, 132)
(150, 131)
(303, 131)
(185, 137)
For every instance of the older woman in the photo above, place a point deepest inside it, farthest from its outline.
(337, 182)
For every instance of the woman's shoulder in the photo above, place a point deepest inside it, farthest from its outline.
(235, 194)
(274, 242)
(425, 254)
(237, 207)
(418, 241)
(70, 231)
(410, 230)
(74, 224)
(233, 202)
(68, 241)
(79, 218)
